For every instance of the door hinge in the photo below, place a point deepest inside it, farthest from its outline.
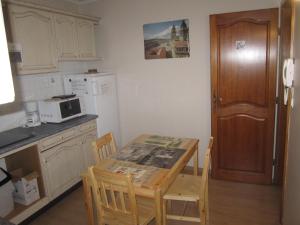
(279, 31)
(274, 162)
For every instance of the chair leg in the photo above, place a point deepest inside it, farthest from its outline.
(169, 206)
(164, 212)
(184, 208)
(196, 162)
(202, 212)
(206, 207)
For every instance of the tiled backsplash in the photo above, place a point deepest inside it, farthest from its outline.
(41, 86)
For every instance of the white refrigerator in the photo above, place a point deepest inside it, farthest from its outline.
(98, 94)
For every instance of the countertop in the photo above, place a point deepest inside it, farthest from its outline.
(5, 222)
(43, 131)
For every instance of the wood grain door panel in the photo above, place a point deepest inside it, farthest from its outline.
(242, 66)
(243, 78)
(238, 144)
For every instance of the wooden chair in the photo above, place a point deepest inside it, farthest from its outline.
(190, 188)
(104, 147)
(115, 199)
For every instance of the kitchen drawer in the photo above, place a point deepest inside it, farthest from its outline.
(66, 135)
(88, 126)
(57, 139)
(51, 141)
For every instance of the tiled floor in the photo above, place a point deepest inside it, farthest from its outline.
(230, 204)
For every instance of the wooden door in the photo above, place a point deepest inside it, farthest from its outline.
(66, 37)
(243, 74)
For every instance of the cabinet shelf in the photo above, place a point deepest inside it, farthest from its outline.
(22, 212)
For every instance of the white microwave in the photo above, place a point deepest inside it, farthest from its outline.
(59, 110)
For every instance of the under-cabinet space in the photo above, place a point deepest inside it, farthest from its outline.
(29, 161)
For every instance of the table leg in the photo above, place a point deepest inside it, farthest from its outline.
(158, 206)
(196, 161)
(88, 200)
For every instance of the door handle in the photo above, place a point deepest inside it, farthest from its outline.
(214, 99)
(217, 99)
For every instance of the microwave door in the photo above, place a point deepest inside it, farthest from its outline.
(70, 108)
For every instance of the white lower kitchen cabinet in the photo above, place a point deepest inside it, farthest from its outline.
(63, 165)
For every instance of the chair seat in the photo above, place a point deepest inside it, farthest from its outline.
(184, 188)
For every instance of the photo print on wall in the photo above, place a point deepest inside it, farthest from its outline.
(168, 39)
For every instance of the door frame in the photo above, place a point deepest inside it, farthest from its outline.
(284, 52)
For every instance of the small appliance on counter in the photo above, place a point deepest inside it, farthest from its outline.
(60, 108)
(32, 114)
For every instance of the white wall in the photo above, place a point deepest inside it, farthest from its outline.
(167, 96)
(292, 204)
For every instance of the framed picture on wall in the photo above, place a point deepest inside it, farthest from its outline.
(168, 39)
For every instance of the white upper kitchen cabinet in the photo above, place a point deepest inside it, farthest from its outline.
(86, 39)
(66, 37)
(33, 34)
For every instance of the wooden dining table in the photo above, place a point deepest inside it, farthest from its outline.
(155, 161)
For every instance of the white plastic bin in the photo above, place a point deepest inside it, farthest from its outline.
(6, 193)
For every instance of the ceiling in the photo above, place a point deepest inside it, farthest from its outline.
(80, 2)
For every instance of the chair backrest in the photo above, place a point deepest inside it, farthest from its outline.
(205, 173)
(104, 147)
(114, 197)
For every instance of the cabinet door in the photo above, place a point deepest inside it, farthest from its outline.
(66, 37)
(88, 149)
(33, 34)
(86, 39)
(63, 165)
